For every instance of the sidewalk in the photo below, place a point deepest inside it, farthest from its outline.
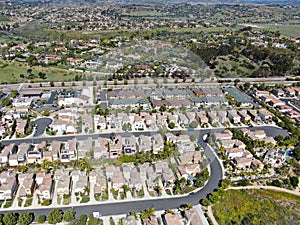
(211, 216)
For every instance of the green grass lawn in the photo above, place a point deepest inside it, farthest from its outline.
(67, 200)
(10, 73)
(257, 207)
(85, 199)
(28, 202)
(8, 203)
(289, 30)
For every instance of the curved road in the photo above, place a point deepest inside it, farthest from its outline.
(123, 206)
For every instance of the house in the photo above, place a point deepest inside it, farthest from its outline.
(186, 146)
(231, 143)
(244, 116)
(8, 185)
(111, 170)
(159, 166)
(152, 180)
(257, 165)
(191, 116)
(278, 92)
(62, 180)
(189, 158)
(101, 148)
(84, 147)
(126, 168)
(135, 181)
(189, 170)
(152, 220)
(183, 120)
(100, 122)
(58, 125)
(290, 92)
(149, 120)
(192, 217)
(55, 148)
(225, 135)
(265, 115)
(21, 126)
(243, 162)
(68, 153)
(19, 157)
(44, 185)
(161, 119)
(254, 116)
(35, 154)
(144, 143)
(171, 219)
(234, 117)
(276, 102)
(129, 220)
(284, 108)
(87, 122)
(259, 93)
(157, 143)
(26, 185)
(99, 180)
(115, 147)
(202, 118)
(237, 153)
(138, 123)
(117, 181)
(22, 152)
(81, 184)
(6, 151)
(222, 115)
(129, 145)
(212, 116)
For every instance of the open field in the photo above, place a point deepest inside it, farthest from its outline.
(288, 30)
(10, 73)
(257, 207)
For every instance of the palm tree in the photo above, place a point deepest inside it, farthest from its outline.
(125, 188)
(158, 189)
(86, 190)
(147, 213)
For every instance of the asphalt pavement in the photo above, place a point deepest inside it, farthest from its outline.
(40, 126)
(137, 205)
(123, 207)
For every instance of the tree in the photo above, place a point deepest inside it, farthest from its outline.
(41, 219)
(163, 108)
(46, 113)
(147, 213)
(55, 216)
(236, 81)
(25, 218)
(14, 93)
(294, 181)
(205, 202)
(69, 215)
(83, 219)
(94, 221)
(171, 125)
(10, 219)
(51, 84)
(247, 86)
(6, 102)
